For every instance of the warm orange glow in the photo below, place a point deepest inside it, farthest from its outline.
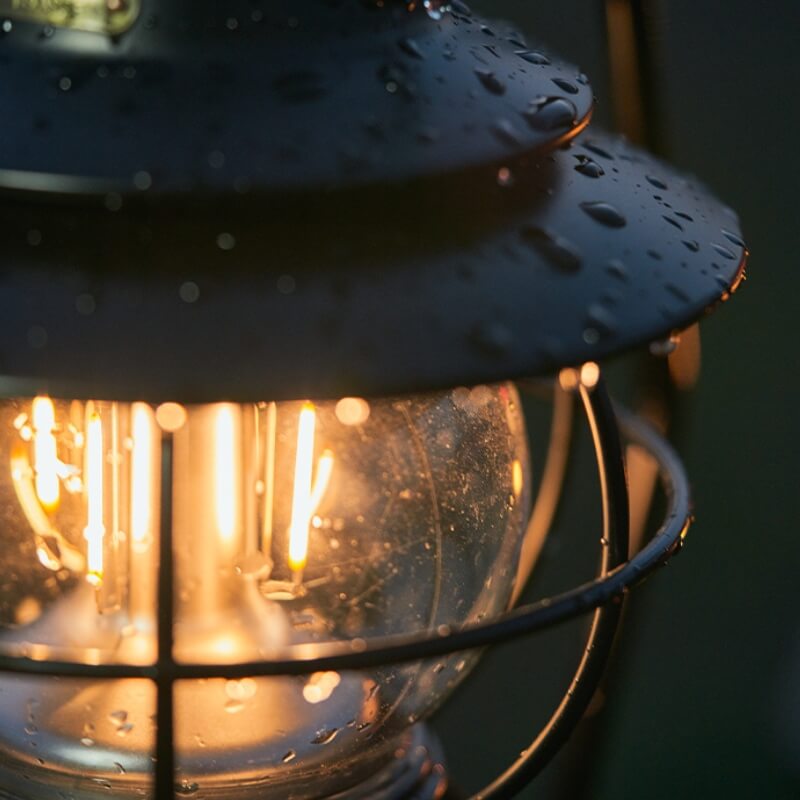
(269, 476)
(321, 481)
(225, 477)
(320, 686)
(141, 473)
(301, 498)
(45, 459)
(94, 532)
(517, 477)
(171, 417)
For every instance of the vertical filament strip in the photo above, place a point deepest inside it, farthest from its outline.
(94, 532)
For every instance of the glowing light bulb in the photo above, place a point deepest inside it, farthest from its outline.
(226, 474)
(45, 460)
(301, 496)
(94, 532)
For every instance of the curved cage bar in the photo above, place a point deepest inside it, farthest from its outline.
(602, 595)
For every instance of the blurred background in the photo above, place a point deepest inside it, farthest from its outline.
(704, 697)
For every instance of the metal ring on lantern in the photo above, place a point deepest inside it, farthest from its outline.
(609, 424)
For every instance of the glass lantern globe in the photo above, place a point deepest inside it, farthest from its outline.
(293, 524)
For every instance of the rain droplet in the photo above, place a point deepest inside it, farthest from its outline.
(234, 706)
(189, 292)
(733, 238)
(289, 756)
(677, 292)
(605, 214)
(599, 318)
(551, 113)
(657, 182)
(723, 251)
(411, 48)
(556, 249)
(691, 245)
(186, 787)
(490, 81)
(598, 151)
(226, 241)
(664, 347)
(673, 222)
(565, 85)
(616, 269)
(533, 57)
(325, 736)
(505, 131)
(436, 9)
(589, 167)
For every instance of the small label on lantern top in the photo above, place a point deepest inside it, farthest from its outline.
(111, 17)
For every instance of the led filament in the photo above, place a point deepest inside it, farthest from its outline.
(92, 472)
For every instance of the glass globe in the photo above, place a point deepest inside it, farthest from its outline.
(293, 524)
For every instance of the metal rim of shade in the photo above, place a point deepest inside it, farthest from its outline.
(603, 596)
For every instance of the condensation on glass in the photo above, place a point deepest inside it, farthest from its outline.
(293, 524)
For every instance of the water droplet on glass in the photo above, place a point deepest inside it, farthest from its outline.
(551, 113)
(691, 245)
(556, 249)
(605, 214)
(186, 787)
(189, 292)
(673, 222)
(226, 241)
(234, 706)
(325, 736)
(289, 756)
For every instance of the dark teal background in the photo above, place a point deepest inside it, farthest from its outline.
(705, 702)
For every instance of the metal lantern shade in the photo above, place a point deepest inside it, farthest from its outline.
(363, 198)
(237, 209)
